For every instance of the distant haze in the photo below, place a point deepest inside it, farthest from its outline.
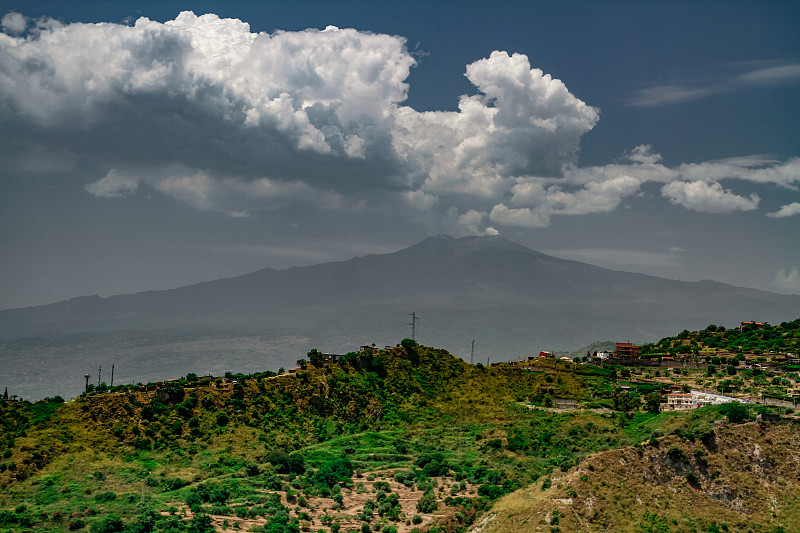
(511, 300)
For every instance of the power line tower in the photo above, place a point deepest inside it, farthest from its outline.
(413, 324)
(472, 353)
(112, 375)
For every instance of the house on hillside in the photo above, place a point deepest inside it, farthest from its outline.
(626, 350)
(331, 357)
(754, 325)
(679, 401)
(794, 390)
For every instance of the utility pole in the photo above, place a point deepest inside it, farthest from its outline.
(413, 324)
(87, 382)
(99, 370)
(472, 353)
(112, 374)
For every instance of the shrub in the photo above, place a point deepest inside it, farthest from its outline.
(428, 503)
(491, 492)
(105, 497)
(382, 485)
(677, 455)
(171, 483)
(201, 523)
(735, 411)
(286, 463)
(334, 471)
(110, 524)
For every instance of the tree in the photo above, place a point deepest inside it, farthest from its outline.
(285, 463)
(201, 523)
(316, 358)
(626, 401)
(5, 394)
(653, 402)
(334, 471)
(410, 346)
(427, 504)
(110, 524)
(408, 343)
(735, 411)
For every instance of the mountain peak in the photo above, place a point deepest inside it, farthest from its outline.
(469, 244)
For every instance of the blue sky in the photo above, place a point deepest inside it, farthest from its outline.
(656, 137)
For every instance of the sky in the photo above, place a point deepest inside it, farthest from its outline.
(150, 145)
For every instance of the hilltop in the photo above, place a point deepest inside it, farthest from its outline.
(757, 338)
(405, 438)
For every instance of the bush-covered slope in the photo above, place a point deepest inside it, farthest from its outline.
(754, 337)
(735, 478)
(131, 452)
(396, 440)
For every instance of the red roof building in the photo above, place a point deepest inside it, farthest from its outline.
(626, 350)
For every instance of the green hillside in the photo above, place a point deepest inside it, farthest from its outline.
(403, 439)
(754, 337)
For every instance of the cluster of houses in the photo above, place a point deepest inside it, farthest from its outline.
(548, 355)
(622, 350)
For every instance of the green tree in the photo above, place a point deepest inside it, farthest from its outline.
(110, 524)
(653, 402)
(428, 503)
(201, 523)
(316, 358)
(626, 401)
(735, 411)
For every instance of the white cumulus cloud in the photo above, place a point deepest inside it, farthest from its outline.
(222, 118)
(788, 210)
(113, 185)
(707, 197)
(14, 23)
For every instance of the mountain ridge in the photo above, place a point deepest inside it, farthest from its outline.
(512, 300)
(458, 247)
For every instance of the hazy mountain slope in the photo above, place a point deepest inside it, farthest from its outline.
(510, 299)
